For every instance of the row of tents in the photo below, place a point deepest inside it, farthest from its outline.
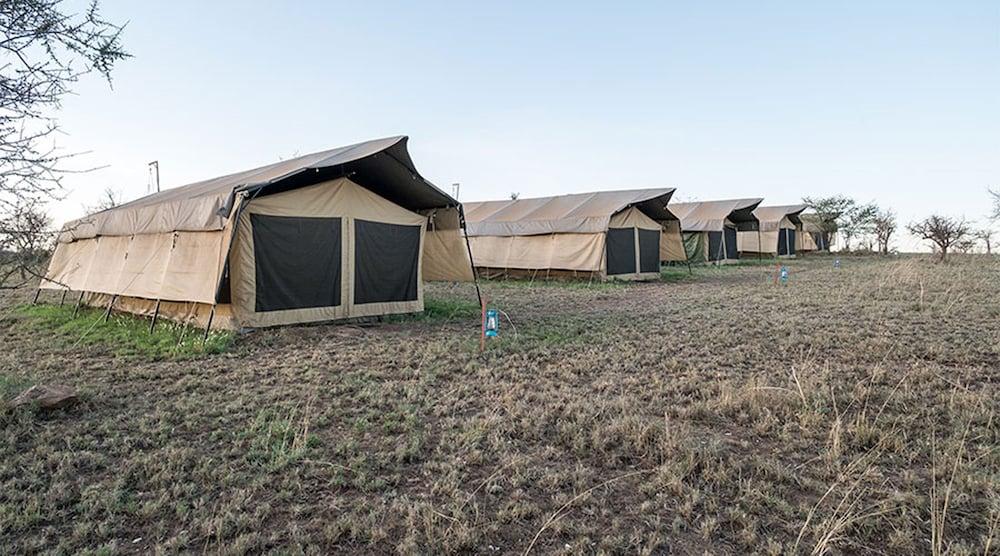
(355, 232)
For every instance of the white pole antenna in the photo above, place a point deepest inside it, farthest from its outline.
(154, 176)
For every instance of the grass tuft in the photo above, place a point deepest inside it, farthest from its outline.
(125, 335)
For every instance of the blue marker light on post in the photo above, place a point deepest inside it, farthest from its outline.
(492, 323)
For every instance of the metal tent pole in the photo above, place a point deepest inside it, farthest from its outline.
(156, 313)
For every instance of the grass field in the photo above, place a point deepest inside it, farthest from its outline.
(852, 410)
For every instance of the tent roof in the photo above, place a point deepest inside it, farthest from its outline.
(381, 165)
(711, 216)
(771, 217)
(576, 213)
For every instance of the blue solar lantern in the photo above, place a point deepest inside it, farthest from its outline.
(492, 325)
(836, 263)
(784, 275)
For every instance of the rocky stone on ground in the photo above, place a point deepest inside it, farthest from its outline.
(46, 396)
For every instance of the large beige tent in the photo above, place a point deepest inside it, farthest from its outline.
(818, 233)
(608, 234)
(710, 228)
(778, 234)
(347, 232)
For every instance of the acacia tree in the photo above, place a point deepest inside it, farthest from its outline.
(44, 50)
(109, 199)
(831, 212)
(858, 222)
(943, 232)
(884, 228)
(986, 235)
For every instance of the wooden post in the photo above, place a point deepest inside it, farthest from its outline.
(63, 300)
(208, 326)
(107, 314)
(78, 302)
(482, 327)
(156, 313)
(35, 300)
(760, 247)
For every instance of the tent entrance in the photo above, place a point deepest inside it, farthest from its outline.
(632, 251)
(297, 262)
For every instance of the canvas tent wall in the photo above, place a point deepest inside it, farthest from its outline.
(341, 233)
(778, 233)
(609, 234)
(818, 233)
(711, 228)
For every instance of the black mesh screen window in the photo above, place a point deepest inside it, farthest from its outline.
(297, 262)
(386, 258)
(621, 251)
(649, 250)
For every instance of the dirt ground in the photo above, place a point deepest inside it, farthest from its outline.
(852, 410)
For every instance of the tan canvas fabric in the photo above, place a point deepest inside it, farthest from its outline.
(580, 252)
(338, 198)
(708, 216)
(70, 265)
(180, 266)
(671, 242)
(446, 254)
(581, 213)
(747, 242)
(779, 217)
(805, 242)
(633, 218)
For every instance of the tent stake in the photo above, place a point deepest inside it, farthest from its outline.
(63, 300)
(156, 313)
(35, 300)
(208, 326)
(78, 302)
(107, 314)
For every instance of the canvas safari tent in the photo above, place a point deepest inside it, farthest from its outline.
(778, 233)
(607, 234)
(347, 232)
(818, 233)
(710, 228)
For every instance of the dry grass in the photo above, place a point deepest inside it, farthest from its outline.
(850, 411)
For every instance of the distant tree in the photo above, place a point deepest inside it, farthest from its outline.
(109, 199)
(831, 212)
(514, 196)
(884, 227)
(986, 236)
(857, 222)
(943, 232)
(25, 237)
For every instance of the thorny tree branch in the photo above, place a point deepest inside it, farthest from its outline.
(44, 51)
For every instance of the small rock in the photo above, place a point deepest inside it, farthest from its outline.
(52, 396)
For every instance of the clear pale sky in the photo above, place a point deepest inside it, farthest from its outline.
(896, 102)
